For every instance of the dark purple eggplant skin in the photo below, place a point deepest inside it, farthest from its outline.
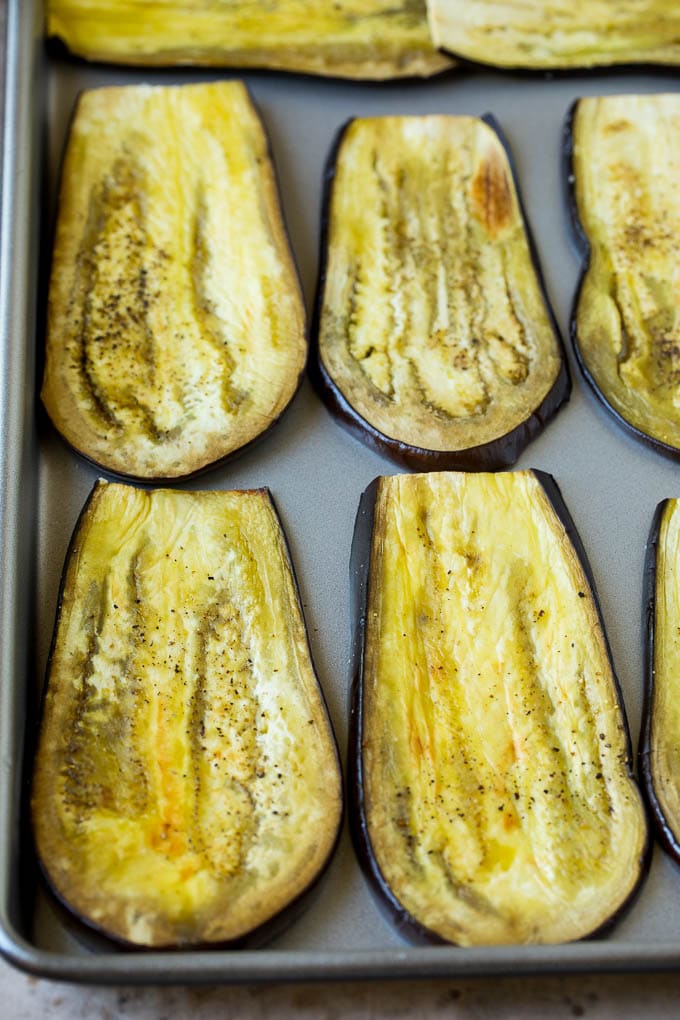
(151, 483)
(88, 933)
(406, 925)
(360, 561)
(583, 247)
(493, 456)
(668, 839)
(50, 233)
(96, 940)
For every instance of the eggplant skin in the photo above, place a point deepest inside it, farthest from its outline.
(660, 732)
(176, 329)
(187, 789)
(548, 34)
(434, 342)
(623, 161)
(491, 791)
(362, 39)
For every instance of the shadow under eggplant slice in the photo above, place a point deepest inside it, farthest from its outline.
(552, 35)
(187, 789)
(176, 329)
(491, 788)
(435, 342)
(356, 39)
(622, 163)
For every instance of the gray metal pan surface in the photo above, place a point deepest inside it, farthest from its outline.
(316, 472)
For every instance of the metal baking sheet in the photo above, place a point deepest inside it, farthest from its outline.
(316, 472)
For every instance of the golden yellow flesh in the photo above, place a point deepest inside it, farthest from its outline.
(627, 166)
(664, 742)
(558, 33)
(176, 329)
(186, 786)
(433, 324)
(353, 39)
(499, 800)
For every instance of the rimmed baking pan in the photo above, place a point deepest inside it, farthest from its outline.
(316, 472)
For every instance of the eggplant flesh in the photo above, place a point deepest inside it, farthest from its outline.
(176, 327)
(625, 157)
(539, 34)
(494, 800)
(435, 341)
(365, 39)
(660, 740)
(186, 787)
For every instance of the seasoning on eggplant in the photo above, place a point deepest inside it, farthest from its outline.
(187, 788)
(660, 738)
(176, 328)
(553, 34)
(493, 799)
(625, 166)
(369, 39)
(435, 342)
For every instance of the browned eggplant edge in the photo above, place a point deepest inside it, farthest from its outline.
(58, 51)
(88, 932)
(497, 454)
(50, 233)
(360, 563)
(583, 247)
(549, 73)
(147, 481)
(669, 839)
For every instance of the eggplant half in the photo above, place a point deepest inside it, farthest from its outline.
(623, 157)
(436, 345)
(364, 39)
(492, 794)
(660, 738)
(545, 34)
(176, 327)
(187, 790)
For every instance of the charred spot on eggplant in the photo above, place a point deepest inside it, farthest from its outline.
(186, 787)
(624, 158)
(176, 328)
(492, 793)
(659, 753)
(363, 39)
(546, 34)
(435, 342)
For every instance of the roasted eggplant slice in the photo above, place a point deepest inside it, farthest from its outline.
(660, 740)
(624, 159)
(176, 328)
(369, 39)
(492, 793)
(553, 34)
(187, 788)
(435, 342)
